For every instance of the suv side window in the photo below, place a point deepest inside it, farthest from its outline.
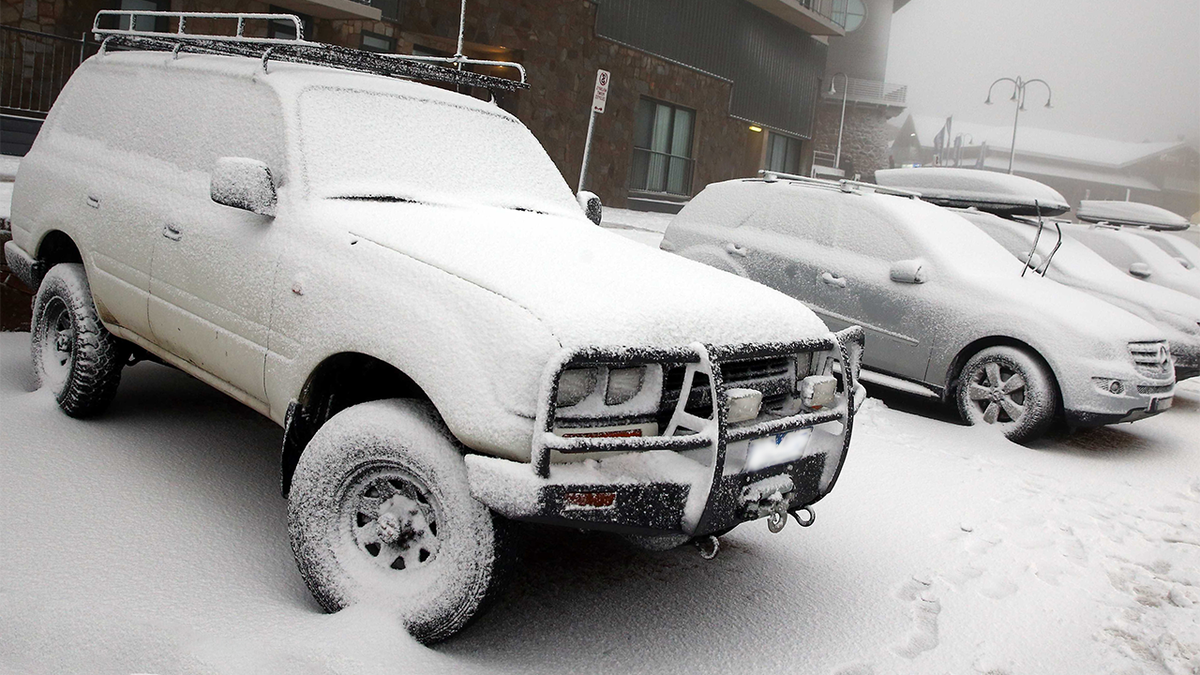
(799, 211)
(184, 118)
(866, 229)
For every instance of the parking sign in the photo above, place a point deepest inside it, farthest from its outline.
(600, 96)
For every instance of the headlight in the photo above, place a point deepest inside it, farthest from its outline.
(576, 384)
(623, 384)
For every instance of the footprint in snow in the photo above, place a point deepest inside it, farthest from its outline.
(924, 607)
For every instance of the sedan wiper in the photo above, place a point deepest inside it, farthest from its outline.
(1037, 238)
(380, 198)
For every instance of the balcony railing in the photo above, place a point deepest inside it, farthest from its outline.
(872, 91)
(816, 17)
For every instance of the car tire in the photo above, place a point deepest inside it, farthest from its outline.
(1009, 388)
(380, 511)
(73, 353)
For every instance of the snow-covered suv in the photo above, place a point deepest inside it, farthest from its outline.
(399, 276)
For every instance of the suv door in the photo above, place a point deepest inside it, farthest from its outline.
(214, 266)
(899, 319)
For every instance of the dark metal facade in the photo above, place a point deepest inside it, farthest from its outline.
(775, 67)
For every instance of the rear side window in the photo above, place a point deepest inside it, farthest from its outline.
(184, 118)
(797, 211)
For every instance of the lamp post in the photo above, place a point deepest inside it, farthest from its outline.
(1018, 96)
(837, 159)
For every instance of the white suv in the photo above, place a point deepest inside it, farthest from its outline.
(398, 275)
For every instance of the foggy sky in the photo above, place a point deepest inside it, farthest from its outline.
(1122, 69)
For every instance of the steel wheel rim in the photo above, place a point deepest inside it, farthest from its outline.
(997, 393)
(392, 518)
(57, 354)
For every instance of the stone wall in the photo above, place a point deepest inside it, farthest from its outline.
(865, 136)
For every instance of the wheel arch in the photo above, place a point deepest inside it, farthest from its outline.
(960, 360)
(338, 382)
(57, 247)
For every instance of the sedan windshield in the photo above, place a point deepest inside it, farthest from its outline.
(366, 145)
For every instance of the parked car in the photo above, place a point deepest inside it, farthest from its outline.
(1001, 206)
(1136, 256)
(1130, 213)
(399, 276)
(945, 308)
(1185, 252)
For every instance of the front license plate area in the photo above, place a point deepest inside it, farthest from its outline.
(1160, 404)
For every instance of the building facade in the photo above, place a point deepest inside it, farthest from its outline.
(700, 91)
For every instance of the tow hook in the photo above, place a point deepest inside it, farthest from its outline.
(809, 518)
(776, 521)
(708, 546)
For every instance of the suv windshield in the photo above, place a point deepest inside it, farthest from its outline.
(365, 145)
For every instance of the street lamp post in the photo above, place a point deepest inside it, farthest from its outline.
(837, 159)
(1018, 95)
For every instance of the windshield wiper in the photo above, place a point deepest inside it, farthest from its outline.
(1037, 238)
(380, 198)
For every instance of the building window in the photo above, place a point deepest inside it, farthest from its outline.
(156, 23)
(374, 42)
(849, 13)
(284, 29)
(662, 148)
(783, 153)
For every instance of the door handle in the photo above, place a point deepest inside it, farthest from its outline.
(832, 280)
(93, 201)
(171, 232)
(733, 249)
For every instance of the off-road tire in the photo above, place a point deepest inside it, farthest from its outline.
(73, 353)
(370, 462)
(987, 393)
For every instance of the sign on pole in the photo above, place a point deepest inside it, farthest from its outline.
(600, 95)
(599, 98)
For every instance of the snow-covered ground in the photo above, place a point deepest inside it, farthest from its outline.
(153, 539)
(641, 226)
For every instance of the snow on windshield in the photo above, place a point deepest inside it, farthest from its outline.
(367, 144)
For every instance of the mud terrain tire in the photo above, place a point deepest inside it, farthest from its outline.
(73, 353)
(1009, 388)
(380, 511)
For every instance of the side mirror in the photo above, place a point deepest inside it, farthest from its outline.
(1187, 264)
(1140, 270)
(908, 271)
(243, 183)
(590, 204)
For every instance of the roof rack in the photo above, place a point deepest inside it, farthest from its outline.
(845, 185)
(296, 50)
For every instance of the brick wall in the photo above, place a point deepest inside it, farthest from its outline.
(865, 135)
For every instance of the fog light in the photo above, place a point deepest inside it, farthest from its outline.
(1116, 387)
(817, 391)
(743, 404)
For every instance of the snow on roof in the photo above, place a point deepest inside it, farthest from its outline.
(1047, 143)
(1130, 213)
(988, 190)
(998, 161)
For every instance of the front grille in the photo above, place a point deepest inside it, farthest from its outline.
(1152, 359)
(756, 369)
(1155, 389)
(773, 376)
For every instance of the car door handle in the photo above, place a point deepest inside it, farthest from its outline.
(733, 249)
(93, 201)
(171, 232)
(830, 279)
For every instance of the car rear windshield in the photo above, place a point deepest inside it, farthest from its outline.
(367, 145)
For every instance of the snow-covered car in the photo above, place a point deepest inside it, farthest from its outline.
(1130, 213)
(1005, 207)
(945, 308)
(1139, 257)
(1185, 252)
(399, 276)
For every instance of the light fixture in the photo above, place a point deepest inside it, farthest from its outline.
(756, 129)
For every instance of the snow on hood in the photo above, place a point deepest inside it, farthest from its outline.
(587, 285)
(985, 190)
(1130, 213)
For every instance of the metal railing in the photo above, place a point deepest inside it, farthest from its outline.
(834, 10)
(873, 91)
(655, 171)
(821, 158)
(34, 67)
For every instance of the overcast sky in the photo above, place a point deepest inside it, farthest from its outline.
(1121, 69)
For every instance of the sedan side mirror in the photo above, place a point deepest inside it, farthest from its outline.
(1187, 264)
(590, 204)
(1140, 270)
(908, 271)
(243, 183)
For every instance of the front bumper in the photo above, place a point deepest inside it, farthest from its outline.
(694, 483)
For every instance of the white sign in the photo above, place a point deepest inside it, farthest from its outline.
(600, 96)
